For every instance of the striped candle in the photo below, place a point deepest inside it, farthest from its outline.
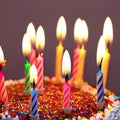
(34, 94)
(3, 92)
(32, 56)
(34, 102)
(66, 92)
(100, 89)
(75, 64)
(39, 66)
(66, 69)
(27, 76)
(99, 75)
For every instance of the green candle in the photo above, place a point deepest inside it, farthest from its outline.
(27, 76)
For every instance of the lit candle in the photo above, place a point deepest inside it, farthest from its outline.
(99, 75)
(26, 49)
(108, 37)
(82, 51)
(3, 92)
(40, 43)
(77, 37)
(31, 32)
(34, 94)
(81, 36)
(61, 34)
(66, 69)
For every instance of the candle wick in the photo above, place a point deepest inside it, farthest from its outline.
(78, 45)
(83, 46)
(26, 58)
(66, 77)
(60, 41)
(0, 67)
(100, 64)
(108, 44)
(33, 84)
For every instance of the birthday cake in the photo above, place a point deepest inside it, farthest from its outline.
(83, 103)
(40, 97)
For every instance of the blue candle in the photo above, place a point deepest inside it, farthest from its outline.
(99, 76)
(100, 89)
(34, 101)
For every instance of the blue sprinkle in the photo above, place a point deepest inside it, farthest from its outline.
(116, 97)
(54, 118)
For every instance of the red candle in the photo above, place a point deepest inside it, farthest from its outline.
(3, 92)
(40, 43)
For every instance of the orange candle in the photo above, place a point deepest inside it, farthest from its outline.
(61, 34)
(108, 37)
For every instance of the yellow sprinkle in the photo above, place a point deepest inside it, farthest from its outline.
(84, 118)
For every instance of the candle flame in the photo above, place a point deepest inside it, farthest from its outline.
(84, 31)
(61, 28)
(81, 31)
(100, 50)
(31, 32)
(66, 63)
(40, 38)
(26, 46)
(108, 30)
(1, 55)
(33, 74)
(77, 30)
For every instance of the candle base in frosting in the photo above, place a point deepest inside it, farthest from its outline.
(67, 110)
(35, 117)
(100, 106)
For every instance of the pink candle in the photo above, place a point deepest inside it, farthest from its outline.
(40, 43)
(66, 69)
(75, 64)
(3, 92)
(40, 68)
(66, 92)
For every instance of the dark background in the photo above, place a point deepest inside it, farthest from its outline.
(16, 14)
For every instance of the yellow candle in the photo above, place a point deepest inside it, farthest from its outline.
(108, 37)
(81, 63)
(105, 66)
(59, 53)
(61, 34)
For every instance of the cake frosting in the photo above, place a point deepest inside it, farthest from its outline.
(83, 103)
